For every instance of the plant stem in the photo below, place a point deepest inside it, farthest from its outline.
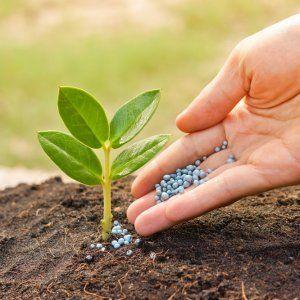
(107, 216)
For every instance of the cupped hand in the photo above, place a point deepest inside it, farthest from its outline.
(254, 104)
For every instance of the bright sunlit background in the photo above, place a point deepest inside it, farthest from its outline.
(114, 50)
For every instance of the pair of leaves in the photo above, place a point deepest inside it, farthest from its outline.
(87, 121)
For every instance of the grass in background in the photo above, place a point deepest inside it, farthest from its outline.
(116, 66)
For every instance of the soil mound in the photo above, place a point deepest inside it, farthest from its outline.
(250, 249)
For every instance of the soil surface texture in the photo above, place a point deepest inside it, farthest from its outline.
(249, 250)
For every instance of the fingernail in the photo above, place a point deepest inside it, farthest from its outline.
(180, 116)
(182, 113)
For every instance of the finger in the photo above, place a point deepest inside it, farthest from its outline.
(222, 190)
(144, 223)
(217, 99)
(181, 153)
(140, 205)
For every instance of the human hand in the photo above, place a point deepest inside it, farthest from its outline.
(262, 130)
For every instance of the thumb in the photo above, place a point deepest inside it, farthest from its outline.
(217, 99)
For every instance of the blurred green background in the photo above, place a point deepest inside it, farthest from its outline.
(114, 50)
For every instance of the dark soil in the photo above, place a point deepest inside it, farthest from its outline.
(250, 249)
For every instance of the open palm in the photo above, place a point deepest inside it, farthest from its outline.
(262, 130)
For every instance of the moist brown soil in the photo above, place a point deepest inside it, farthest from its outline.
(248, 250)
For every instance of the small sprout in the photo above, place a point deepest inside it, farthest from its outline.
(99, 246)
(103, 249)
(129, 252)
(116, 223)
(92, 246)
(153, 255)
(86, 119)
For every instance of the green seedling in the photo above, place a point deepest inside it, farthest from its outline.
(85, 118)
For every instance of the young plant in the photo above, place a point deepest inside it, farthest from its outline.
(85, 118)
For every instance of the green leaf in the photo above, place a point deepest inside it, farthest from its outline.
(84, 116)
(130, 119)
(137, 155)
(75, 159)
